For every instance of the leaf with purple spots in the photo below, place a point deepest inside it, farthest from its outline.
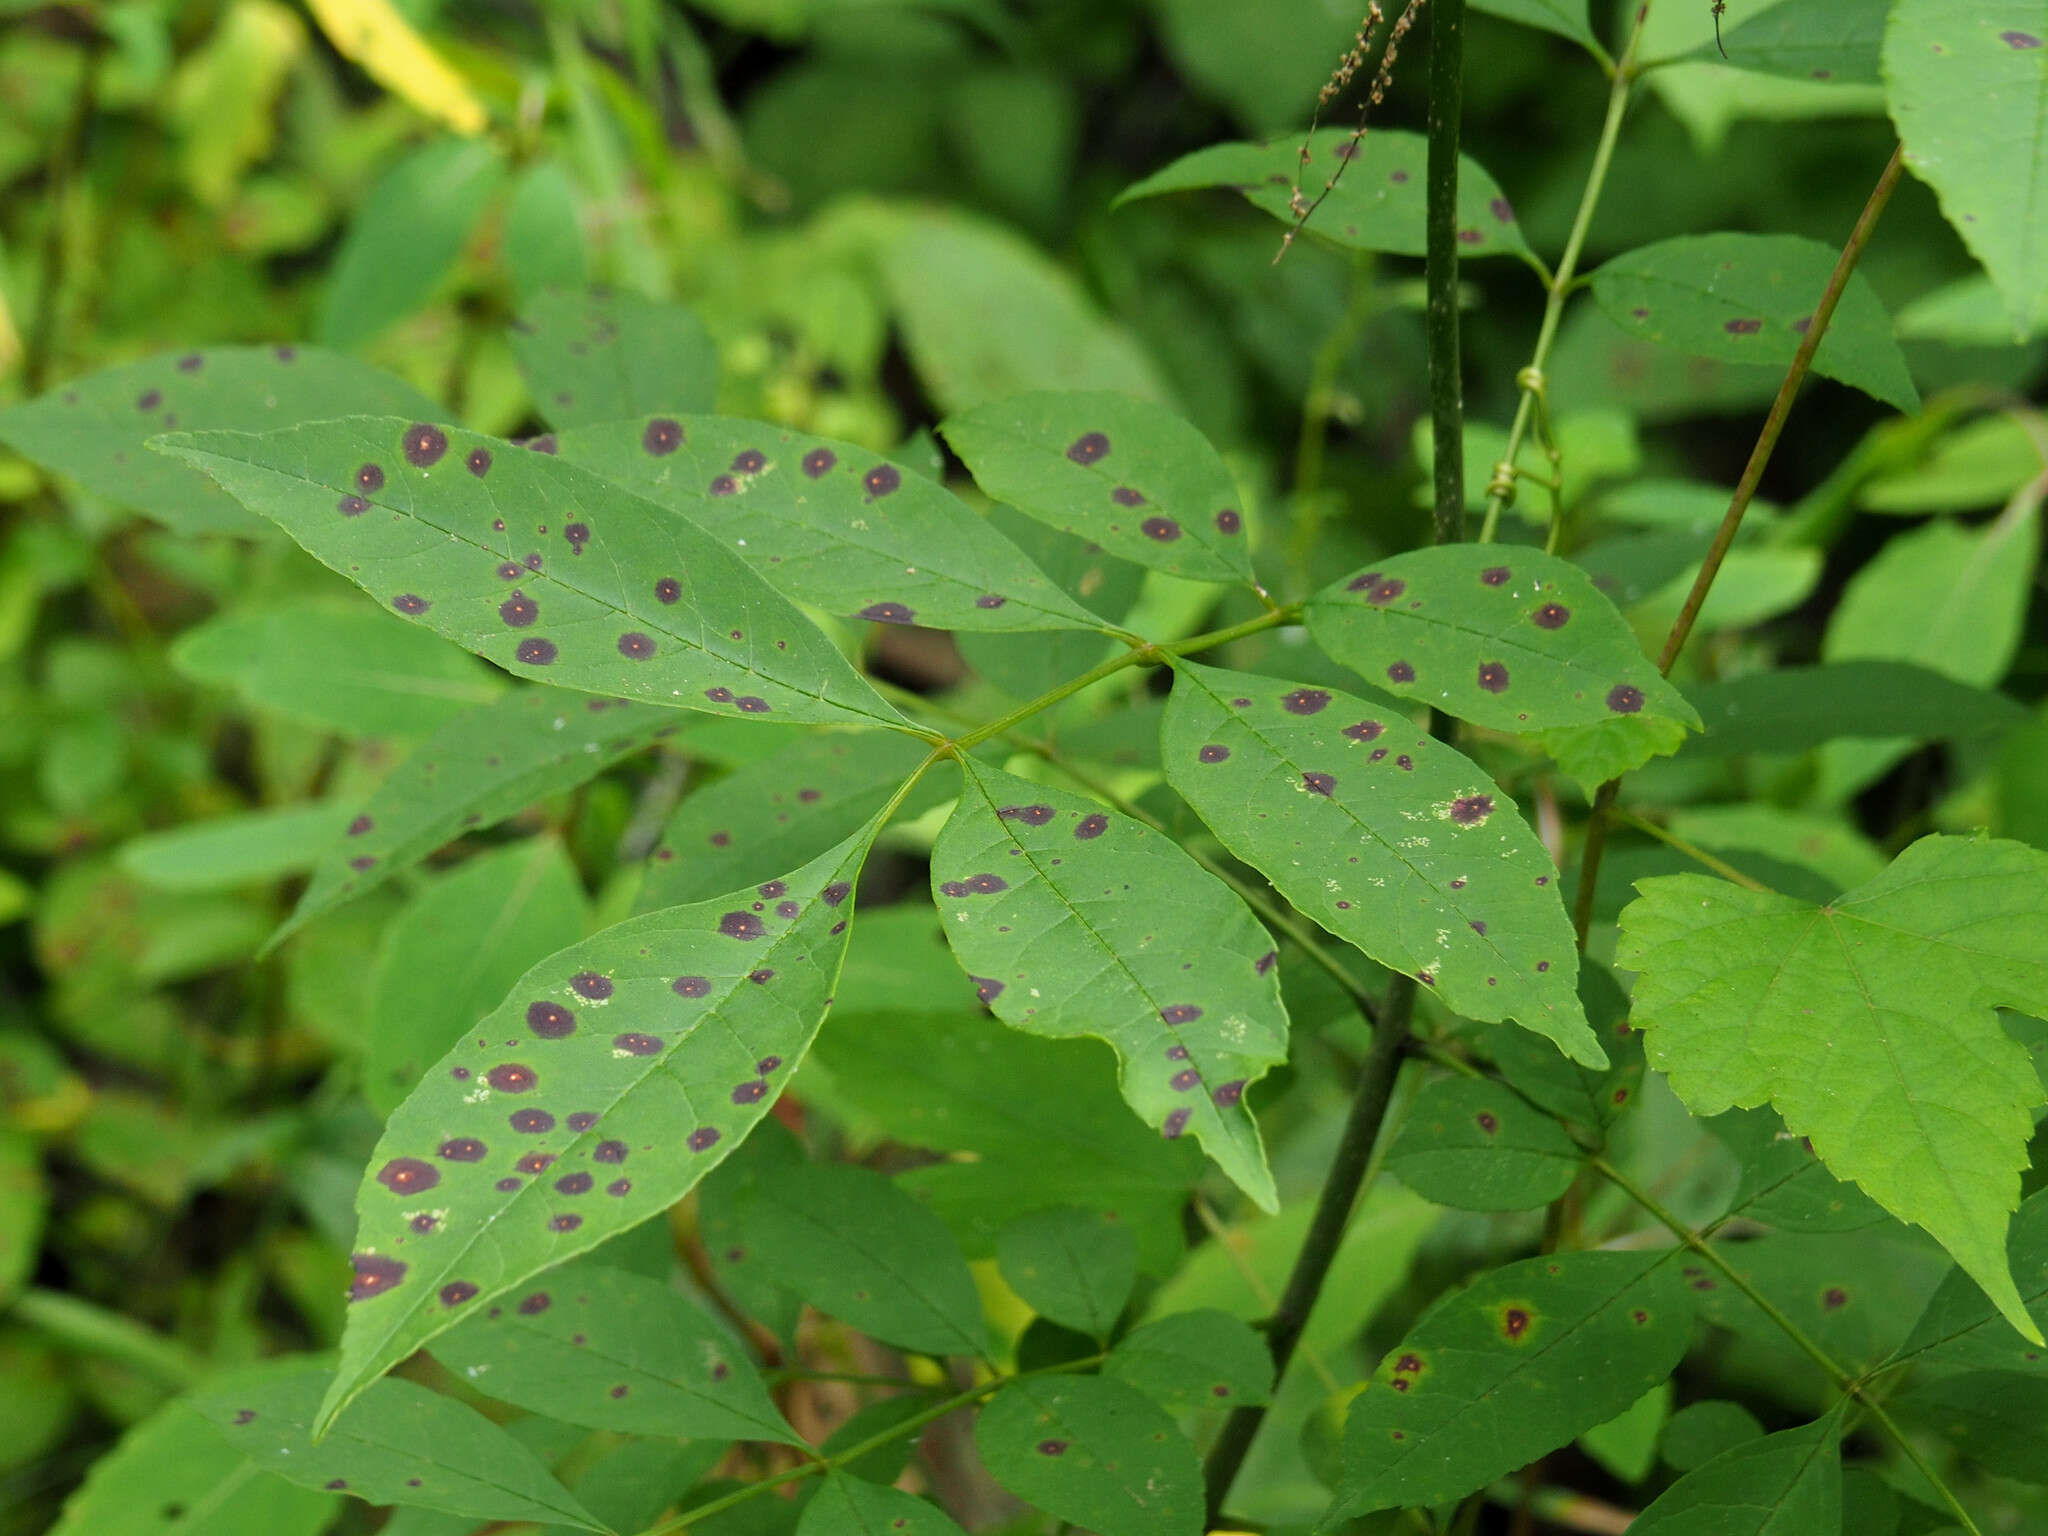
(636, 1060)
(1477, 1145)
(397, 1444)
(539, 566)
(604, 355)
(1513, 639)
(471, 774)
(772, 815)
(1388, 838)
(1095, 1452)
(1074, 1266)
(1749, 299)
(1524, 1360)
(1852, 1019)
(1855, 1294)
(1091, 935)
(831, 524)
(859, 1249)
(845, 1505)
(1120, 472)
(1195, 1361)
(612, 1350)
(1377, 204)
(92, 429)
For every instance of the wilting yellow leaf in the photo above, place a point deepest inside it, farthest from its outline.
(375, 36)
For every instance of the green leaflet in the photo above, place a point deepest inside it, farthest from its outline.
(831, 524)
(613, 1350)
(1787, 1484)
(406, 235)
(1748, 299)
(1868, 1025)
(24, 1206)
(1020, 664)
(1074, 1266)
(773, 815)
(1075, 920)
(1961, 1330)
(1477, 1146)
(1837, 40)
(593, 588)
(1587, 1096)
(1529, 1356)
(1965, 80)
(855, 1246)
(398, 1444)
(349, 669)
(1388, 838)
(172, 1475)
(1567, 18)
(1626, 1445)
(1999, 1419)
(1376, 205)
(1202, 1359)
(1783, 1183)
(616, 1075)
(92, 429)
(475, 771)
(1095, 1452)
(1699, 1432)
(226, 852)
(1790, 709)
(1120, 472)
(448, 957)
(1516, 640)
(1852, 1293)
(847, 1506)
(605, 355)
(544, 246)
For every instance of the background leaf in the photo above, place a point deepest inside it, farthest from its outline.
(1567, 18)
(845, 1505)
(1867, 1024)
(1471, 905)
(1477, 1146)
(1095, 1452)
(230, 851)
(1838, 40)
(1793, 709)
(1748, 299)
(1074, 1266)
(1194, 1360)
(602, 355)
(632, 600)
(1120, 472)
(1780, 1485)
(1061, 911)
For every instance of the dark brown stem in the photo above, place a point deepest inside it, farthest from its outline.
(1446, 377)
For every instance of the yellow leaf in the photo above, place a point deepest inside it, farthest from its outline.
(374, 35)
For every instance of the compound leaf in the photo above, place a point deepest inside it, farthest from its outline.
(593, 588)
(603, 355)
(613, 1350)
(1376, 205)
(92, 429)
(1095, 1452)
(1074, 1266)
(1749, 299)
(850, 1506)
(1966, 81)
(831, 524)
(1074, 920)
(1200, 1359)
(1117, 471)
(1478, 1146)
(1869, 1025)
(1787, 1484)
(614, 1077)
(1387, 837)
(476, 770)
(1530, 1356)
(397, 1444)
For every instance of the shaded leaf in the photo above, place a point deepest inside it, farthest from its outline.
(594, 589)
(1120, 472)
(1196, 1360)
(1567, 18)
(1699, 1432)
(24, 1205)
(1748, 299)
(544, 245)
(887, 1420)
(1961, 1329)
(1589, 1096)
(1783, 1183)
(1626, 1445)
(1529, 1356)
(1999, 1419)
(250, 848)
(1964, 82)
(1979, 464)
(1095, 1452)
(603, 355)
(855, 1246)
(1074, 1266)
(831, 524)
(1073, 920)
(93, 428)
(349, 669)
(1787, 1484)
(1377, 204)
(1868, 1025)
(613, 1350)
(847, 1506)
(1519, 641)
(1387, 837)
(1020, 664)
(477, 769)
(1837, 40)
(616, 1075)
(1792, 709)
(1853, 1293)
(1477, 1146)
